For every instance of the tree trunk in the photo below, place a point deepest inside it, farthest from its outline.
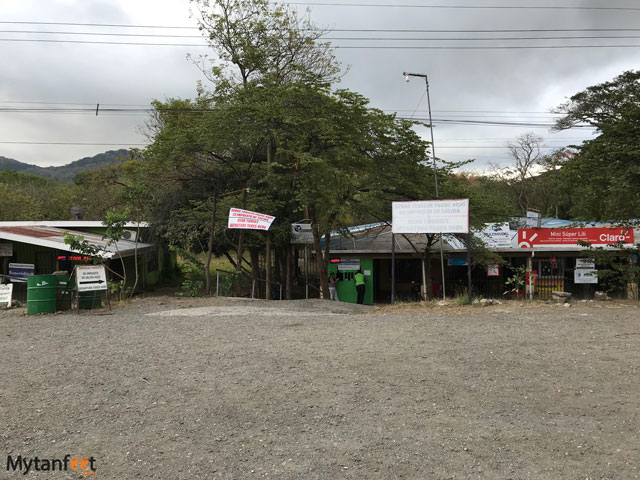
(207, 265)
(255, 271)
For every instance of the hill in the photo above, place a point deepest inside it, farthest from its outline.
(64, 173)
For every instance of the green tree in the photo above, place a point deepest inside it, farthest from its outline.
(603, 178)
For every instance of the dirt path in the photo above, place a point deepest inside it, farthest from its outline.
(206, 388)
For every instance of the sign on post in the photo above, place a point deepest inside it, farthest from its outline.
(248, 220)
(301, 233)
(18, 272)
(5, 294)
(431, 216)
(585, 275)
(90, 278)
(6, 250)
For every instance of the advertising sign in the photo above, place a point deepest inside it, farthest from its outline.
(90, 278)
(5, 293)
(585, 263)
(493, 270)
(533, 219)
(301, 233)
(18, 272)
(585, 275)
(349, 264)
(431, 216)
(495, 235)
(558, 237)
(248, 220)
(6, 250)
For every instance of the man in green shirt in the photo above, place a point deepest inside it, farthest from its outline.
(359, 279)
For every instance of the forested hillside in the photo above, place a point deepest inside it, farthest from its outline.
(65, 173)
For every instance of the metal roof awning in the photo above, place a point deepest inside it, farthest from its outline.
(52, 237)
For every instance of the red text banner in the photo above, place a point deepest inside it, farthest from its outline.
(248, 220)
(550, 237)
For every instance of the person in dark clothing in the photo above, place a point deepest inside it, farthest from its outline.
(359, 279)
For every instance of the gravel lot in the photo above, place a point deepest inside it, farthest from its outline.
(171, 388)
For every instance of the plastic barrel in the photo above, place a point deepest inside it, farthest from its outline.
(41, 294)
(89, 300)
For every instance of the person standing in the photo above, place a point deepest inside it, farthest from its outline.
(333, 283)
(359, 279)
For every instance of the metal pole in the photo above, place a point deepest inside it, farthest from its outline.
(306, 271)
(280, 287)
(433, 147)
(267, 262)
(217, 283)
(393, 268)
(253, 290)
(469, 267)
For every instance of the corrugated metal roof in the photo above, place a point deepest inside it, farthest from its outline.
(54, 238)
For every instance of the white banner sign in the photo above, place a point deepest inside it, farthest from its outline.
(91, 277)
(5, 293)
(585, 275)
(585, 263)
(496, 235)
(431, 216)
(247, 220)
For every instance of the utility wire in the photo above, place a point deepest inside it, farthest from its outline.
(337, 47)
(617, 29)
(464, 7)
(154, 35)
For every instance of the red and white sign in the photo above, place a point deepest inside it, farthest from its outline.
(559, 237)
(247, 220)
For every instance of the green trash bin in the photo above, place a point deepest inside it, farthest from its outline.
(41, 294)
(89, 300)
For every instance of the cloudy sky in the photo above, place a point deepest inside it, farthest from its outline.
(482, 94)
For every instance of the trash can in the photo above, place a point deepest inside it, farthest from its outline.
(41, 294)
(89, 300)
(64, 292)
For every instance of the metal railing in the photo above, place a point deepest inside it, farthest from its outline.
(227, 289)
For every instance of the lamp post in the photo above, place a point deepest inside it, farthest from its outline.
(407, 77)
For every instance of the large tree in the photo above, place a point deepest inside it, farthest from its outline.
(603, 178)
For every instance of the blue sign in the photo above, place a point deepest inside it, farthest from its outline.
(18, 272)
(458, 261)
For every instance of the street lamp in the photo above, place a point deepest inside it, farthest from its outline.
(407, 78)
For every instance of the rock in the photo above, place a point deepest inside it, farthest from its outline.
(602, 296)
(567, 305)
(561, 297)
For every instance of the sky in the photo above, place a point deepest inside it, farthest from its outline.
(51, 83)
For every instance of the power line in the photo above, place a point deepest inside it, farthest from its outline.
(72, 143)
(155, 35)
(337, 47)
(118, 25)
(528, 30)
(464, 7)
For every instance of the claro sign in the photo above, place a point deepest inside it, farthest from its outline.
(551, 237)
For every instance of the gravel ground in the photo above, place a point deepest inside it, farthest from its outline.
(171, 388)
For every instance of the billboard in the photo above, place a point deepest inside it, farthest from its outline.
(248, 220)
(431, 216)
(495, 235)
(559, 237)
